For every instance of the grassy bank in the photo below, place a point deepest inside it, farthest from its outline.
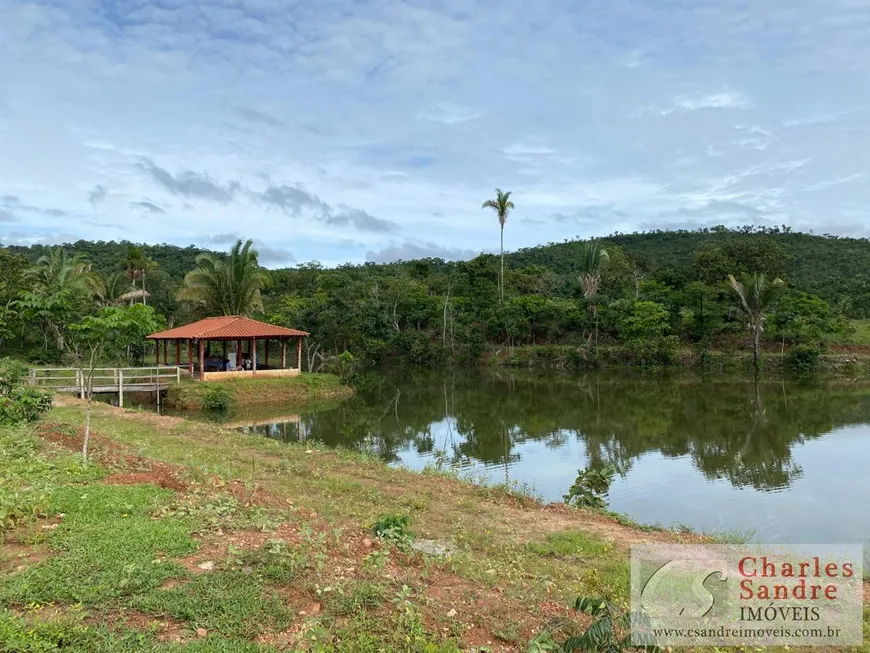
(187, 536)
(835, 362)
(260, 392)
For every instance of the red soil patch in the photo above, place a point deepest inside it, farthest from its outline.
(116, 456)
(167, 628)
(143, 478)
(15, 557)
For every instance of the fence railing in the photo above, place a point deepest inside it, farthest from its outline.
(106, 379)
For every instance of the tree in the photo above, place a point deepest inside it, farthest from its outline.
(592, 258)
(804, 318)
(115, 287)
(502, 205)
(136, 264)
(147, 265)
(110, 332)
(756, 295)
(643, 329)
(57, 271)
(227, 286)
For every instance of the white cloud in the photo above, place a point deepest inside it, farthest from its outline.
(684, 103)
(449, 114)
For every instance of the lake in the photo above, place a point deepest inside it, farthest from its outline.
(781, 461)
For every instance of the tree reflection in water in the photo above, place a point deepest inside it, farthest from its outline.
(732, 429)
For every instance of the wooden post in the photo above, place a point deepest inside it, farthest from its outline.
(178, 374)
(254, 353)
(284, 353)
(223, 352)
(190, 357)
(157, 352)
(238, 353)
(120, 388)
(266, 357)
(299, 354)
(201, 359)
(165, 353)
(32, 375)
(82, 384)
(178, 352)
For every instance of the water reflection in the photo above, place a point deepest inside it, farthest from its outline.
(734, 430)
(664, 436)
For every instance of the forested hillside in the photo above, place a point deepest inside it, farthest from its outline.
(648, 291)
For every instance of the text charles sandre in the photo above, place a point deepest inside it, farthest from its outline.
(751, 594)
(791, 582)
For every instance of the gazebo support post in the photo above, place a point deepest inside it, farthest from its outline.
(224, 352)
(190, 357)
(165, 353)
(283, 353)
(299, 354)
(266, 357)
(254, 353)
(201, 360)
(177, 353)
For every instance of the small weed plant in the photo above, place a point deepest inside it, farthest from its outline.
(590, 488)
(610, 632)
(395, 530)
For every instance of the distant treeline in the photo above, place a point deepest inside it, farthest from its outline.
(661, 288)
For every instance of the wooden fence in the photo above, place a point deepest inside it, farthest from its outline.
(107, 379)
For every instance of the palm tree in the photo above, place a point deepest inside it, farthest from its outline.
(227, 286)
(115, 287)
(147, 263)
(58, 271)
(592, 258)
(136, 263)
(502, 205)
(756, 295)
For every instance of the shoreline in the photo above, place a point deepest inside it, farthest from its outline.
(515, 565)
(291, 525)
(244, 393)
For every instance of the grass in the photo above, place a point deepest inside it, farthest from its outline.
(286, 534)
(263, 391)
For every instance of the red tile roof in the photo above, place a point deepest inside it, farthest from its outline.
(227, 327)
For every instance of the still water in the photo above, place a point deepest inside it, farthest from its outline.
(783, 462)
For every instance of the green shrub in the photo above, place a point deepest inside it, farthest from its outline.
(217, 397)
(590, 488)
(803, 359)
(610, 630)
(11, 374)
(19, 403)
(23, 405)
(394, 529)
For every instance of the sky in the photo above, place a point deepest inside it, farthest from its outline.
(372, 130)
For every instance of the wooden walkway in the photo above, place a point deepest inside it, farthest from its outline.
(107, 379)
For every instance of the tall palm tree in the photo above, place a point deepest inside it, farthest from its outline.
(502, 205)
(58, 271)
(147, 264)
(227, 286)
(592, 259)
(136, 264)
(756, 295)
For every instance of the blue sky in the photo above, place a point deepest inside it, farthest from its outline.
(354, 130)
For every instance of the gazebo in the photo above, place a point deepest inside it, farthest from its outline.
(245, 335)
